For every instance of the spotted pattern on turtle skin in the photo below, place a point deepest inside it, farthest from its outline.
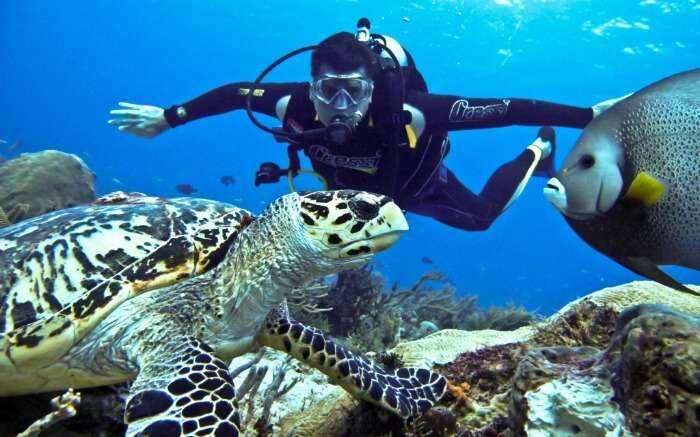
(45, 310)
(344, 214)
(407, 392)
(197, 398)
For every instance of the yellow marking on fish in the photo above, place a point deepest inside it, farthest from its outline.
(411, 134)
(645, 189)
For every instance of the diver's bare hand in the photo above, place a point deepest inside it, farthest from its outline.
(141, 120)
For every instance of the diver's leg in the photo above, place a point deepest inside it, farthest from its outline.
(508, 182)
(454, 204)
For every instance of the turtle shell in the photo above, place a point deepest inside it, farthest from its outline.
(50, 261)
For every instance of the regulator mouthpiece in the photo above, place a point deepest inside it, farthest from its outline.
(340, 130)
(362, 34)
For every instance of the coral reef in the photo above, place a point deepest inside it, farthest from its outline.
(572, 374)
(585, 324)
(562, 391)
(573, 406)
(656, 357)
(34, 183)
(367, 316)
(445, 346)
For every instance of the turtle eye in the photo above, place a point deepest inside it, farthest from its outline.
(587, 161)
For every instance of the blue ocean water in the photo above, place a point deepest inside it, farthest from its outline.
(64, 65)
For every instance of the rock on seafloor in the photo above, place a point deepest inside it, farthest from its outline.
(35, 183)
(444, 346)
(656, 364)
(574, 406)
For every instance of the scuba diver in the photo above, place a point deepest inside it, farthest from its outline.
(366, 121)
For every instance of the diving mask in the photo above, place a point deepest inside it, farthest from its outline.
(342, 90)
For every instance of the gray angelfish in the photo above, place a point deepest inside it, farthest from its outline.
(631, 186)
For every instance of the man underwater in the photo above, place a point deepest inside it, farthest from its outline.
(368, 144)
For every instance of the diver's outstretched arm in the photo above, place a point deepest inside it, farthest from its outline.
(453, 113)
(149, 121)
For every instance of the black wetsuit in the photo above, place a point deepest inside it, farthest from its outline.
(424, 185)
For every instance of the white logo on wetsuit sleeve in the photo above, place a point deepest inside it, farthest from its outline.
(461, 111)
(367, 164)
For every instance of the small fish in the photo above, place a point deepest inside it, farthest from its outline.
(227, 180)
(12, 147)
(3, 142)
(116, 181)
(426, 260)
(406, 19)
(185, 189)
(157, 180)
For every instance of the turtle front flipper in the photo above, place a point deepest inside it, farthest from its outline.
(182, 389)
(407, 391)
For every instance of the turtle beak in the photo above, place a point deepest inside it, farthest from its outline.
(380, 234)
(397, 225)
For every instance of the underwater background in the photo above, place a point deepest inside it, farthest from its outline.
(64, 65)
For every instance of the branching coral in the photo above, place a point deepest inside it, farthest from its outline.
(370, 317)
(257, 404)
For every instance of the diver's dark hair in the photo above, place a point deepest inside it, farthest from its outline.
(343, 53)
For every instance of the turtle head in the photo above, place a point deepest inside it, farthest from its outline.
(325, 232)
(349, 226)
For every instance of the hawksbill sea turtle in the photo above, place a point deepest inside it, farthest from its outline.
(165, 293)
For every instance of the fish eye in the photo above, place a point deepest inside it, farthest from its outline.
(587, 161)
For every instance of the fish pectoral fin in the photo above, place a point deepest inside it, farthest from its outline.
(645, 267)
(645, 189)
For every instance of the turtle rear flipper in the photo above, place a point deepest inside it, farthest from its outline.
(46, 340)
(182, 389)
(407, 392)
